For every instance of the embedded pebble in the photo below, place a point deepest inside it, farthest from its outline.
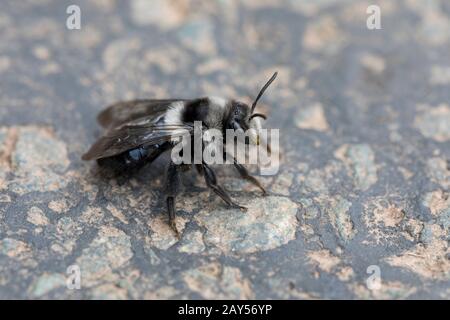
(360, 159)
(39, 161)
(434, 122)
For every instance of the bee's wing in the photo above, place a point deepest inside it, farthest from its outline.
(134, 134)
(126, 111)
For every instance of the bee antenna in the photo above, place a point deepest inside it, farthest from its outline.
(258, 115)
(263, 89)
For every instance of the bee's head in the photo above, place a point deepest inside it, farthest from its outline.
(243, 117)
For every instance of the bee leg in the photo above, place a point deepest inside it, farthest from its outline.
(172, 188)
(211, 181)
(199, 168)
(246, 175)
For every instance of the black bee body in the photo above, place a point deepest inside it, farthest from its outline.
(134, 158)
(139, 131)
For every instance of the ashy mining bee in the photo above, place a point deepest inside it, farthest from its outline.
(139, 131)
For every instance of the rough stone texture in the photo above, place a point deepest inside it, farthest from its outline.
(365, 138)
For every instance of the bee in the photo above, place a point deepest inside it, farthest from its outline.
(139, 131)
